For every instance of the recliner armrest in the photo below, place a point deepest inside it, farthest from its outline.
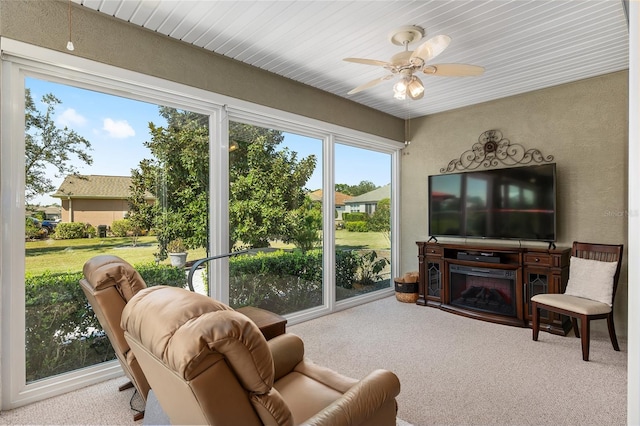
(361, 402)
(287, 351)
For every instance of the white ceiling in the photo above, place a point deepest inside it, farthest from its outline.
(524, 45)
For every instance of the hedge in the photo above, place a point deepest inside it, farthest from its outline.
(358, 226)
(74, 230)
(281, 282)
(62, 332)
(355, 217)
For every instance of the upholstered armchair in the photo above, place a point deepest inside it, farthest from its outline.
(109, 283)
(209, 364)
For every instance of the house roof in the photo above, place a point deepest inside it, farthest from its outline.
(96, 186)
(372, 196)
(339, 199)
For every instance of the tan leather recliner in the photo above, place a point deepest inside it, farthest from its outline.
(208, 364)
(109, 283)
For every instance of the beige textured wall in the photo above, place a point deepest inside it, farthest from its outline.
(584, 125)
(115, 42)
(95, 212)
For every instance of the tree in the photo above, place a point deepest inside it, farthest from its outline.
(141, 212)
(307, 221)
(354, 190)
(380, 220)
(343, 188)
(266, 184)
(46, 145)
(178, 175)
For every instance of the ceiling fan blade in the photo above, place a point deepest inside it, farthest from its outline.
(453, 70)
(430, 48)
(366, 61)
(369, 84)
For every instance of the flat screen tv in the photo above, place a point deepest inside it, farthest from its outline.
(513, 203)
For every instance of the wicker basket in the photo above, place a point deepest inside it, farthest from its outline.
(407, 288)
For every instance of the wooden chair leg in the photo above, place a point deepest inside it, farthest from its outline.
(126, 386)
(612, 332)
(576, 331)
(138, 416)
(586, 332)
(535, 320)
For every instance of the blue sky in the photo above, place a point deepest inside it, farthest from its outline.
(117, 128)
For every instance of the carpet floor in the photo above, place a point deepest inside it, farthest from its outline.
(453, 371)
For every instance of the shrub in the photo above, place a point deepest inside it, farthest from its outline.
(120, 228)
(355, 217)
(162, 275)
(370, 267)
(281, 282)
(62, 332)
(359, 226)
(90, 231)
(126, 228)
(72, 230)
(32, 230)
(346, 268)
(176, 246)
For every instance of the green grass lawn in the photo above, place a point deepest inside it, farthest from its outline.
(70, 255)
(361, 240)
(346, 240)
(57, 256)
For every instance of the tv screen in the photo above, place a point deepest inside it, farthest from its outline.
(513, 203)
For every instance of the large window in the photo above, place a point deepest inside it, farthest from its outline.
(155, 168)
(275, 213)
(103, 175)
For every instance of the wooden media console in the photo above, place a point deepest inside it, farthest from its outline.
(491, 282)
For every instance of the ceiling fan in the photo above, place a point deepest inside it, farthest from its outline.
(406, 63)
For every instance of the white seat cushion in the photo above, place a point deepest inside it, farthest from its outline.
(591, 279)
(576, 304)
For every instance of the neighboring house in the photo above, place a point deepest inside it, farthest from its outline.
(95, 199)
(339, 201)
(50, 212)
(366, 203)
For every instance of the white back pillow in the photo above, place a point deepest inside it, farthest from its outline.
(591, 279)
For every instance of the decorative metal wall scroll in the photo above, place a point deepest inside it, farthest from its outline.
(491, 150)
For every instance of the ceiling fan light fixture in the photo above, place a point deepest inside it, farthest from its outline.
(400, 89)
(404, 64)
(415, 87)
(416, 97)
(399, 94)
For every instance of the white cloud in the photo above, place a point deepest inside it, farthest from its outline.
(70, 118)
(118, 129)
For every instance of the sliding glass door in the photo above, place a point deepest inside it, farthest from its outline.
(275, 216)
(363, 221)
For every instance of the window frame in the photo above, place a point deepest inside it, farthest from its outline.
(21, 60)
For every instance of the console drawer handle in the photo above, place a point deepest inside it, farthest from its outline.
(537, 259)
